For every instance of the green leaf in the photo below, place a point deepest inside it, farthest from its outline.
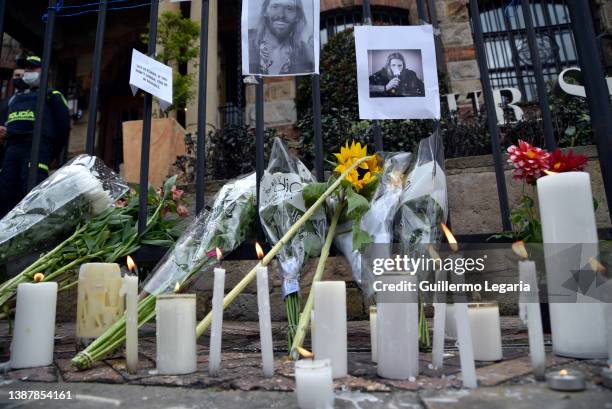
(158, 243)
(361, 238)
(357, 205)
(312, 192)
(171, 181)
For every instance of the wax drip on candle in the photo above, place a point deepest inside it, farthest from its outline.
(38, 277)
(132, 267)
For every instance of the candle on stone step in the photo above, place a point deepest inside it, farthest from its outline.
(439, 330)
(570, 238)
(529, 307)
(486, 331)
(33, 334)
(330, 321)
(373, 333)
(131, 317)
(265, 321)
(314, 385)
(398, 320)
(176, 333)
(216, 329)
(99, 304)
(462, 321)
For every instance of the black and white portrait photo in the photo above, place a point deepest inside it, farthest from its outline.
(397, 75)
(280, 37)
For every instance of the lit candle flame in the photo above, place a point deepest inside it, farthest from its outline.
(304, 352)
(219, 254)
(519, 249)
(563, 372)
(449, 237)
(38, 277)
(596, 265)
(259, 251)
(550, 173)
(177, 287)
(130, 263)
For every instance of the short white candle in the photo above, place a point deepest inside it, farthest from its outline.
(373, 333)
(313, 384)
(131, 322)
(330, 321)
(265, 322)
(176, 333)
(398, 334)
(568, 220)
(216, 329)
(439, 331)
(486, 331)
(32, 343)
(530, 302)
(99, 304)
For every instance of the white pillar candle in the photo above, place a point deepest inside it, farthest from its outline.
(568, 219)
(32, 343)
(176, 334)
(398, 334)
(265, 322)
(99, 304)
(609, 331)
(439, 331)
(131, 322)
(531, 304)
(373, 333)
(216, 329)
(313, 384)
(312, 332)
(486, 331)
(330, 321)
(451, 324)
(464, 336)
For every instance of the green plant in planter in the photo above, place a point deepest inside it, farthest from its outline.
(177, 38)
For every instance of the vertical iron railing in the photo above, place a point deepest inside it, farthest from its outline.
(596, 89)
(367, 21)
(487, 91)
(316, 115)
(146, 126)
(2, 12)
(95, 80)
(202, 89)
(42, 95)
(259, 145)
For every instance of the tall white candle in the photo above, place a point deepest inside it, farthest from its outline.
(330, 321)
(464, 336)
(398, 333)
(451, 324)
(32, 343)
(530, 303)
(485, 331)
(99, 304)
(176, 334)
(265, 322)
(439, 331)
(131, 322)
(216, 329)
(313, 384)
(568, 220)
(373, 333)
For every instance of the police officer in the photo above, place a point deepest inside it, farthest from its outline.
(17, 75)
(18, 133)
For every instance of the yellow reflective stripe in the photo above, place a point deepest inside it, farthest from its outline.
(62, 97)
(20, 119)
(43, 167)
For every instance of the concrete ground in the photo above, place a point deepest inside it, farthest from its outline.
(240, 384)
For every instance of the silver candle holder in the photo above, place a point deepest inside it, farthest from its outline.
(566, 380)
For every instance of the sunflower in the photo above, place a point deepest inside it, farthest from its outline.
(365, 173)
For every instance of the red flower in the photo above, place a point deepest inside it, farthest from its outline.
(176, 194)
(182, 211)
(566, 163)
(529, 162)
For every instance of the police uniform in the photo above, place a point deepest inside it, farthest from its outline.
(20, 120)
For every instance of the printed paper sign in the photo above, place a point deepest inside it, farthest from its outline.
(151, 76)
(397, 75)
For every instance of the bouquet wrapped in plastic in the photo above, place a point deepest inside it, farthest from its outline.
(78, 191)
(423, 204)
(281, 205)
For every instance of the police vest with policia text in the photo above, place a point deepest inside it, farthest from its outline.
(22, 115)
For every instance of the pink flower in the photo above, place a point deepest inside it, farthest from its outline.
(120, 203)
(159, 192)
(181, 210)
(529, 162)
(176, 194)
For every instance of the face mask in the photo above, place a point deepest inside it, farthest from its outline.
(20, 84)
(31, 78)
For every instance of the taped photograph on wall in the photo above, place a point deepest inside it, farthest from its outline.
(280, 37)
(397, 75)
